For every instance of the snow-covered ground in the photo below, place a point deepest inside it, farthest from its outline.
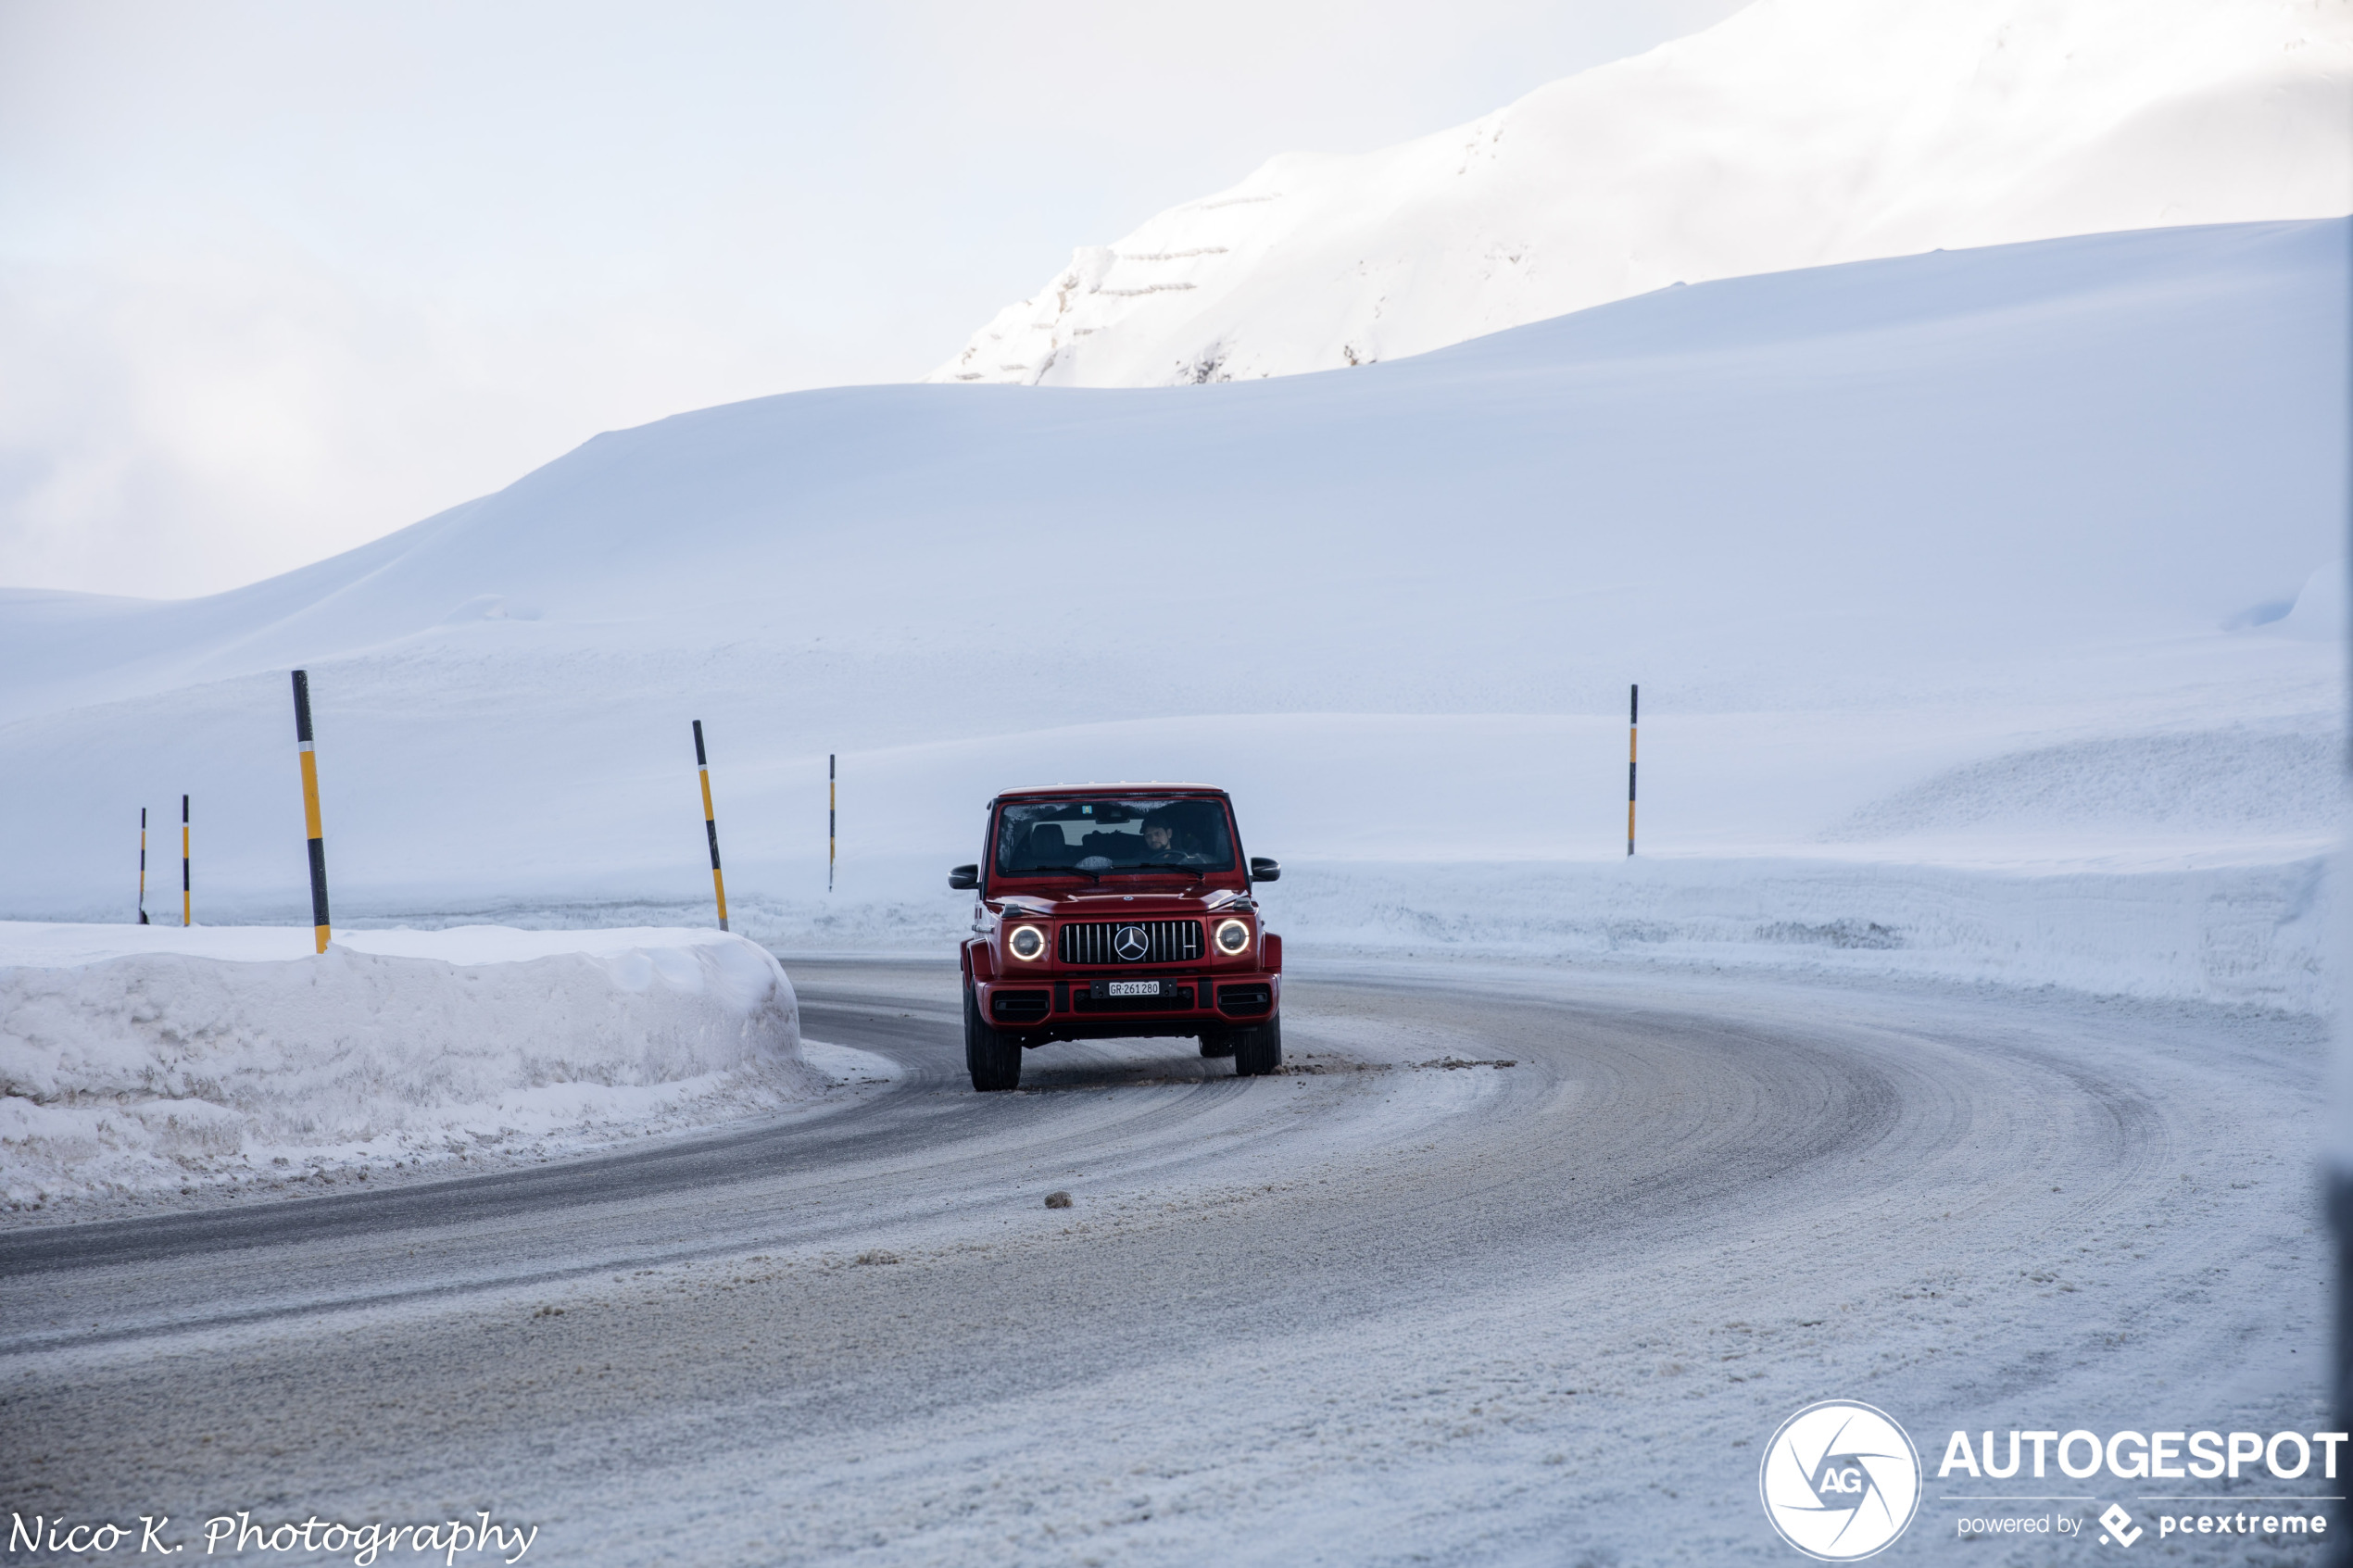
(210, 1062)
(1992, 598)
(1375, 1310)
(1796, 133)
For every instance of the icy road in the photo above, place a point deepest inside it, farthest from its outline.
(1545, 1308)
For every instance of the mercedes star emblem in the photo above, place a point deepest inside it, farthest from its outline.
(1131, 943)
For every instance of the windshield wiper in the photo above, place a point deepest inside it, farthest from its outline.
(1095, 877)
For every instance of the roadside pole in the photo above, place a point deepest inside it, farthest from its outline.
(710, 827)
(143, 865)
(187, 909)
(830, 802)
(310, 808)
(1633, 729)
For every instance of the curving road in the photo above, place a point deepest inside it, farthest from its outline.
(1376, 1308)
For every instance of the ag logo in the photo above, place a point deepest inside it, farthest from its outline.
(1131, 943)
(1840, 1480)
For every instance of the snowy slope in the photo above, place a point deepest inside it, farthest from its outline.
(1981, 560)
(1796, 133)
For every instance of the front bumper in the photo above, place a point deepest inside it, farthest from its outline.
(1061, 1005)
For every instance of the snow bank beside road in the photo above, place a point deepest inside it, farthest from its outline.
(2254, 934)
(2210, 927)
(137, 1058)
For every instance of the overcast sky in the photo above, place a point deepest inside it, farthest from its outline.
(279, 278)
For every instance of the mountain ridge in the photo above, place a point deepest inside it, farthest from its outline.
(1796, 133)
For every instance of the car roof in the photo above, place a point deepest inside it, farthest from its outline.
(1035, 790)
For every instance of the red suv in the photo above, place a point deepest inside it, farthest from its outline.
(1117, 910)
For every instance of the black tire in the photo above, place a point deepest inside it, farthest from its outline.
(992, 1056)
(1259, 1051)
(1217, 1042)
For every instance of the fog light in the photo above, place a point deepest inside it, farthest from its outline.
(1027, 942)
(1233, 936)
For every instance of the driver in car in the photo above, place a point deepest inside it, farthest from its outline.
(1161, 846)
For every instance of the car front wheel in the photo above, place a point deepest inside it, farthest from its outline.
(992, 1056)
(1258, 1051)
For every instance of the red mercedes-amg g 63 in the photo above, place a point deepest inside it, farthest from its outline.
(1117, 910)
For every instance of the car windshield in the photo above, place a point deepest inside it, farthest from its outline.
(1113, 833)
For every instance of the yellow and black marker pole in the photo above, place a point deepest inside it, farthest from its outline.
(311, 806)
(710, 827)
(1633, 730)
(143, 865)
(186, 909)
(830, 801)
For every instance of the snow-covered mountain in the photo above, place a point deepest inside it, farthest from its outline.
(1977, 564)
(1796, 133)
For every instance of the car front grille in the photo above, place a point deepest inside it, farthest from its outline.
(1163, 941)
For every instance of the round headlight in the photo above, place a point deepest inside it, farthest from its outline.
(1026, 942)
(1233, 936)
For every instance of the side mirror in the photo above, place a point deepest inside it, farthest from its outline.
(1264, 870)
(964, 879)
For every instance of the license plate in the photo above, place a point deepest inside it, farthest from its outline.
(1130, 988)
